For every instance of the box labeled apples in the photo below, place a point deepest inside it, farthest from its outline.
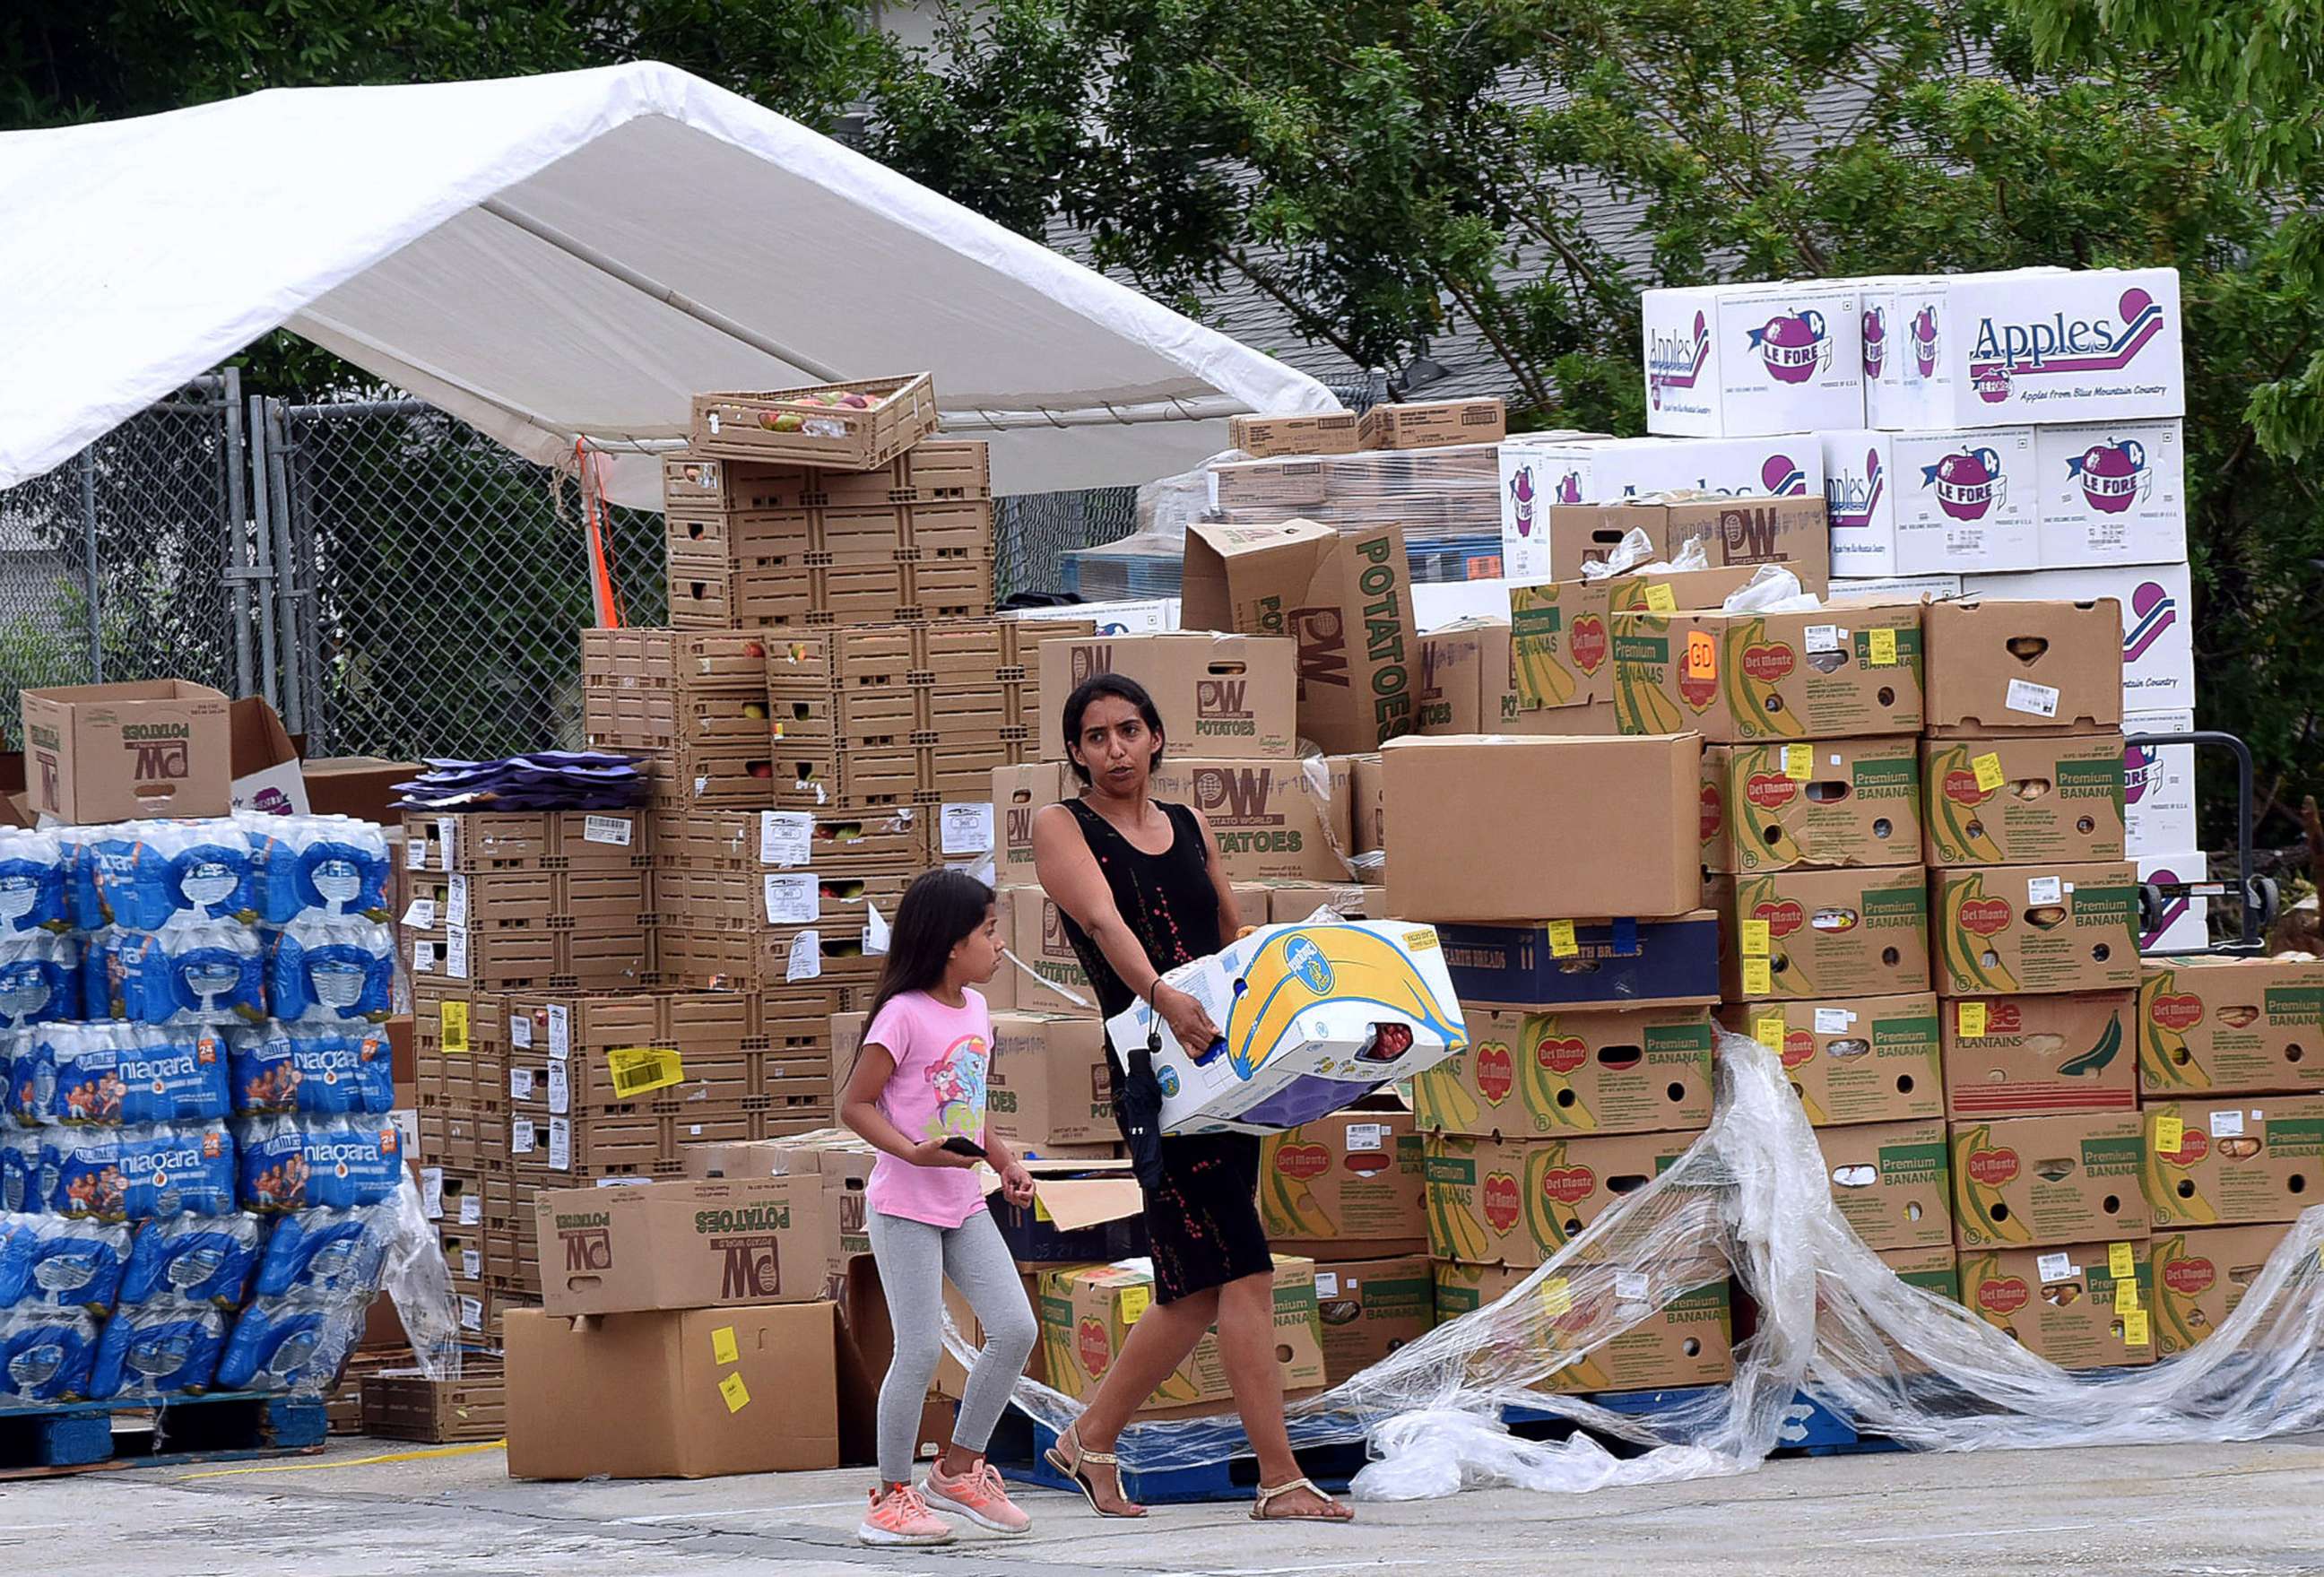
(1744, 360)
(1688, 1342)
(1853, 1059)
(1087, 1310)
(2158, 622)
(2037, 1180)
(2007, 929)
(1517, 1202)
(1905, 503)
(2073, 1305)
(1345, 1183)
(2016, 800)
(1890, 1181)
(1803, 935)
(2230, 1026)
(1528, 1074)
(1345, 596)
(1218, 695)
(1994, 665)
(2201, 1275)
(2112, 495)
(2158, 785)
(696, 1244)
(1843, 671)
(2259, 1159)
(2091, 346)
(2033, 1057)
(1314, 1017)
(1536, 792)
(1829, 802)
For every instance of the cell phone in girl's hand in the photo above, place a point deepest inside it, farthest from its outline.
(964, 1146)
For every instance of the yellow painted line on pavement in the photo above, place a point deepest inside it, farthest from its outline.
(360, 1462)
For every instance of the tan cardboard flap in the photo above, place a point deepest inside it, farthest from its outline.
(1074, 1204)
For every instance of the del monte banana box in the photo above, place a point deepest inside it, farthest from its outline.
(1853, 1059)
(1829, 802)
(2024, 1181)
(2011, 801)
(1345, 1183)
(1370, 1308)
(1932, 1269)
(695, 1244)
(2229, 1025)
(1560, 642)
(1803, 935)
(1087, 1312)
(2007, 929)
(1528, 1074)
(1688, 1342)
(2227, 1163)
(2038, 1057)
(1846, 670)
(2201, 1275)
(2080, 1305)
(1672, 590)
(1499, 1202)
(1889, 1181)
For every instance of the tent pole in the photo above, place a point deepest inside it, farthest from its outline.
(581, 251)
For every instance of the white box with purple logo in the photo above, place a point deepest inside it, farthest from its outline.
(1533, 476)
(2158, 785)
(2158, 626)
(1931, 503)
(2033, 347)
(2112, 493)
(2185, 923)
(1907, 586)
(1754, 360)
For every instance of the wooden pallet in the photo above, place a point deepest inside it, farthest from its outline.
(93, 1436)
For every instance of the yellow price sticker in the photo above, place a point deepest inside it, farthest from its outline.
(1041, 1209)
(1769, 1033)
(1880, 648)
(1660, 598)
(1561, 943)
(1799, 762)
(454, 1019)
(1758, 941)
(1988, 768)
(1135, 1302)
(2126, 1296)
(1972, 1019)
(2122, 1262)
(637, 1069)
(2134, 1332)
(723, 1347)
(1758, 977)
(737, 1394)
(1556, 1296)
(2170, 1134)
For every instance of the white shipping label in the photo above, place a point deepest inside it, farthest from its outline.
(1327, 1284)
(415, 854)
(523, 1135)
(967, 829)
(2056, 1267)
(2042, 890)
(560, 1089)
(455, 900)
(472, 1314)
(607, 829)
(560, 1144)
(1834, 1020)
(2040, 700)
(421, 915)
(875, 929)
(786, 837)
(2227, 1124)
(1630, 1286)
(456, 952)
(560, 1031)
(1367, 1136)
(806, 961)
(520, 1083)
(423, 959)
(472, 1211)
(472, 1264)
(792, 900)
(1823, 638)
(521, 1031)
(447, 840)
(431, 1193)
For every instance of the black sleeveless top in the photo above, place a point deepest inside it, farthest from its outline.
(1167, 899)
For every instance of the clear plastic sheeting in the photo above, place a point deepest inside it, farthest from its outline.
(1751, 1199)
(1634, 551)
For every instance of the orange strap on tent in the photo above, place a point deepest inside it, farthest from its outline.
(602, 595)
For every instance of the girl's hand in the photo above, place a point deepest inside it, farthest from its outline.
(1186, 1019)
(1017, 1184)
(930, 1152)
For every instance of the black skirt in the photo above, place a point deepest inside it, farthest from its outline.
(1201, 1222)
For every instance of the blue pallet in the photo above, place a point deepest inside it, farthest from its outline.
(1809, 1428)
(1019, 1447)
(227, 1426)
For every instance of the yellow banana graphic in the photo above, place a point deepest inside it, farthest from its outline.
(2172, 1332)
(1645, 657)
(1441, 1099)
(1550, 1059)
(1297, 969)
(1749, 682)
(1757, 791)
(1982, 1173)
(1286, 1161)
(2162, 1178)
(2164, 1061)
(1450, 1174)
(1538, 647)
(1956, 807)
(1968, 918)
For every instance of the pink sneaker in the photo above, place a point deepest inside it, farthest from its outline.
(978, 1496)
(899, 1516)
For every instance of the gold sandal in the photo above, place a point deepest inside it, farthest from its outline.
(1082, 1457)
(1268, 1497)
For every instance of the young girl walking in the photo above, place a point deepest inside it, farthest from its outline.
(916, 1093)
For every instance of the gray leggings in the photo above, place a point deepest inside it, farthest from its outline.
(915, 1260)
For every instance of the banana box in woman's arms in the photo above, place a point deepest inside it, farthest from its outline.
(1314, 1016)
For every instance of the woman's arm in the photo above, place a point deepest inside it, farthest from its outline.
(1230, 911)
(859, 1109)
(1069, 874)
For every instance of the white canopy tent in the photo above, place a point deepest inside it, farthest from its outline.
(573, 257)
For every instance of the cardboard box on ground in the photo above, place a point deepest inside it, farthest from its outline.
(1689, 1342)
(2200, 1276)
(1087, 1312)
(2080, 1305)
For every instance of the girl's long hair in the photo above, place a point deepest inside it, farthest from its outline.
(939, 908)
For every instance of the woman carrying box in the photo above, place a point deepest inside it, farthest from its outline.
(1141, 892)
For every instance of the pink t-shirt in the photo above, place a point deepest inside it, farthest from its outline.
(937, 1092)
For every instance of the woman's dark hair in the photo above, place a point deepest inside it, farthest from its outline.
(1122, 688)
(939, 908)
